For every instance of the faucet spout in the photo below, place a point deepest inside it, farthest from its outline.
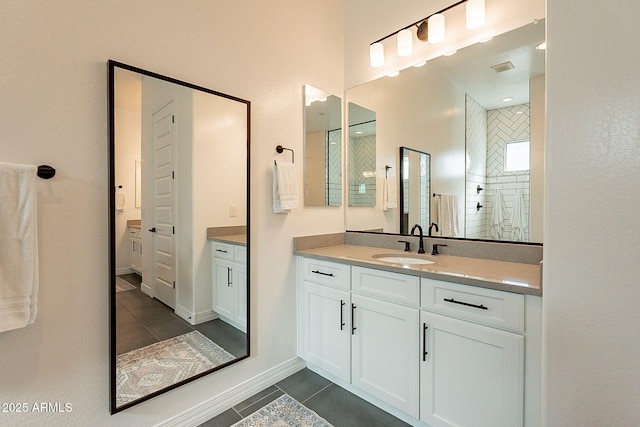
(421, 244)
(433, 224)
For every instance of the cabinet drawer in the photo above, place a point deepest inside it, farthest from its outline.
(223, 251)
(326, 273)
(240, 254)
(486, 306)
(134, 233)
(387, 285)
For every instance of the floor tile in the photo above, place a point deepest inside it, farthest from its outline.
(133, 336)
(169, 328)
(225, 419)
(344, 409)
(303, 384)
(226, 336)
(261, 403)
(253, 399)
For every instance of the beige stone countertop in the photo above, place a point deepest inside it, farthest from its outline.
(500, 275)
(236, 239)
(134, 223)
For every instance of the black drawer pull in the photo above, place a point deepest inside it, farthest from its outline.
(481, 307)
(223, 251)
(353, 323)
(342, 303)
(324, 274)
(424, 342)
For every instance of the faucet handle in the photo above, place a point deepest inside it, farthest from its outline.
(407, 245)
(435, 249)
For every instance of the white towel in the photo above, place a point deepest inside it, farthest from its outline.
(518, 217)
(498, 216)
(389, 194)
(285, 187)
(120, 199)
(18, 246)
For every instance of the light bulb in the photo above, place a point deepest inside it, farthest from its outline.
(376, 55)
(436, 28)
(475, 14)
(405, 43)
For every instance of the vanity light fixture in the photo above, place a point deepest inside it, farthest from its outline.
(429, 29)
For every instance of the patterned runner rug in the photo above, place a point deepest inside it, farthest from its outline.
(156, 366)
(122, 285)
(285, 411)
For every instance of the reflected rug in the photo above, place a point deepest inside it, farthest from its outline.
(284, 411)
(156, 366)
(122, 285)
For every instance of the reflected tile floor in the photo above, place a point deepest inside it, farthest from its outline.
(142, 321)
(333, 403)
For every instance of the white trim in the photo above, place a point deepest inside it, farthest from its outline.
(223, 401)
(146, 289)
(205, 316)
(125, 270)
(185, 314)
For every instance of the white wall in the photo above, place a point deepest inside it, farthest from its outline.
(53, 110)
(591, 293)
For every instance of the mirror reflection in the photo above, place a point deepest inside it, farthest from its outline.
(179, 226)
(362, 156)
(476, 113)
(323, 148)
(415, 189)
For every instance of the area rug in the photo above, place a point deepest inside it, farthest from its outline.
(122, 285)
(284, 411)
(162, 364)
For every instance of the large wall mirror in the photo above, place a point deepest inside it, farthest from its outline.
(322, 148)
(480, 114)
(179, 227)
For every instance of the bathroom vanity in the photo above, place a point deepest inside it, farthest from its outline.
(451, 342)
(135, 245)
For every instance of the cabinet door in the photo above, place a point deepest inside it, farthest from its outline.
(326, 327)
(470, 375)
(136, 251)
(240, 284)
(385, 346)
(224, 293)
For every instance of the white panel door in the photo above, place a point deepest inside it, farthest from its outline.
(326, 328)
(385, 352)
(164, 260)
(470, 375)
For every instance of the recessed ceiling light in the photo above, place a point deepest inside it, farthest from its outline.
(451, 53)
(358, 132)
(420, 64)
(542, 46)
(507, 99)
(322, 99)
(486, 39)
(393, 74)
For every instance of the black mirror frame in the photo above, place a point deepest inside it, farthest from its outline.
(112, 65)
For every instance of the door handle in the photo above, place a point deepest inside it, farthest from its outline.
(153, 230)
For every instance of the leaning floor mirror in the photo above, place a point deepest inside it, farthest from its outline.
(178, 230)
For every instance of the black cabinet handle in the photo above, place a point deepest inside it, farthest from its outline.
(353, 323)
(481, 307)
(324, 274)
(229, 277)
(424, 342)
(342, 303)
(153, 230)
(221, 250)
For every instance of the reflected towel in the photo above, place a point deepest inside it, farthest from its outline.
(120, 199)
(285, 187)
(446, 214)
(518, 217)
(499, 214)
(389, 194)
(18, 246)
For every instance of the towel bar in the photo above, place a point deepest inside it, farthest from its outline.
(280, 149)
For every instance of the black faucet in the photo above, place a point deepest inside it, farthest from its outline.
(421, 246)
(433, 224)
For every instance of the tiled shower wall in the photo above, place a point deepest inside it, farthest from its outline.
(506, 125)
(476, 136)
(362, 159)
(334, 168)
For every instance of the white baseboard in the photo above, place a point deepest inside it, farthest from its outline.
(205, 316)
(185, 314)
(223, 401)
(146, 289)
(124, 270)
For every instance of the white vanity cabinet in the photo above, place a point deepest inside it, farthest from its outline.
(471, 374)
(135, 249)
(324, 316)
(230, 283)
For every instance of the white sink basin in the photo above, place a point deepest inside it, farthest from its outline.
(406, 259)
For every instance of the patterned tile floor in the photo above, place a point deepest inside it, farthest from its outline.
(331, 402)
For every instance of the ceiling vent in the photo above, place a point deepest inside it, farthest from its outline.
(505, 66)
